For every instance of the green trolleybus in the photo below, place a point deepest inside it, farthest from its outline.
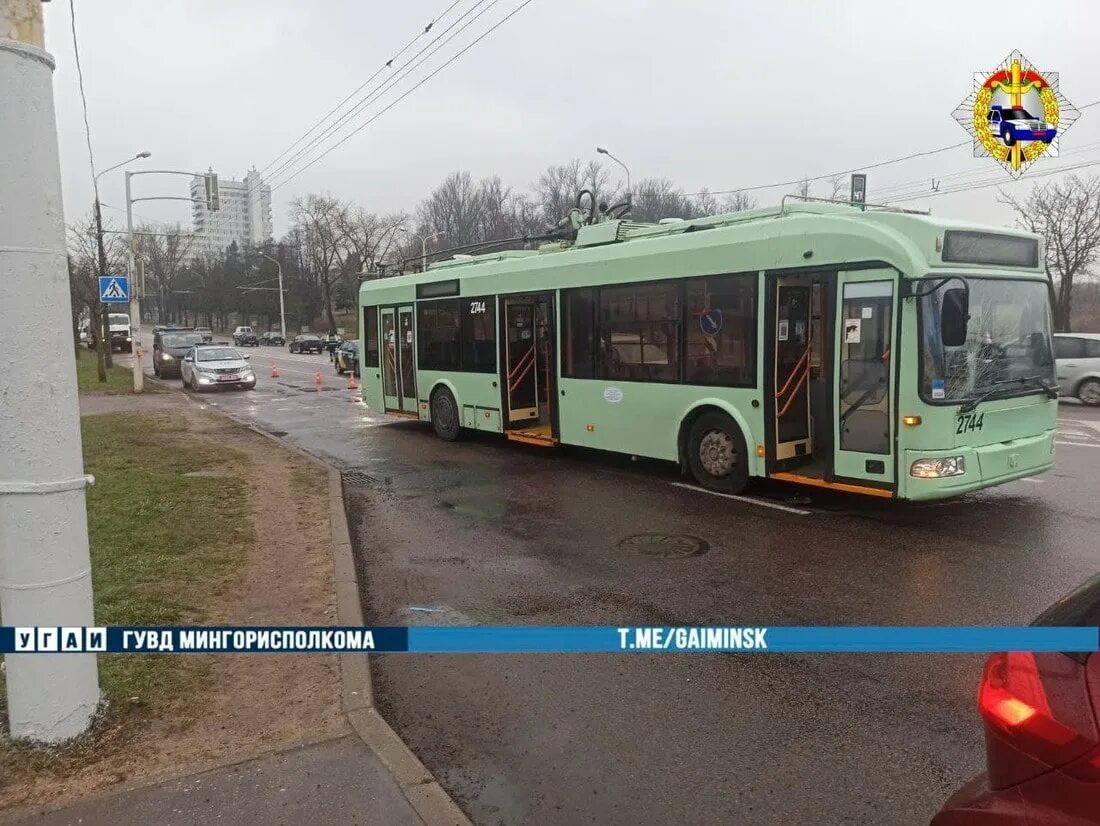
(880, 352)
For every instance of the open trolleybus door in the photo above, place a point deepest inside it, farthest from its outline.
(791, 405)
(866, 331)
(528, 368)
(398, 360)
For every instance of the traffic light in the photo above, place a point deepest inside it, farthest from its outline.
(859, 191)
(212, 192)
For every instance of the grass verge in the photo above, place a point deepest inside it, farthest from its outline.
(167, 548)
(119, 379)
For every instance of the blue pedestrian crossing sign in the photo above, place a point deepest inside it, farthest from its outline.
(114, 289)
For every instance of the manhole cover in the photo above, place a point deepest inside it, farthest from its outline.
(664, 545)
(358, 477)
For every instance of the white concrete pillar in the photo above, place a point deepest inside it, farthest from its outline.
(45, 570)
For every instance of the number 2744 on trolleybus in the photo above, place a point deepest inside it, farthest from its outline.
(879, 352)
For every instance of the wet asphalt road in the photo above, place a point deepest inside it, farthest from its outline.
(485, 531)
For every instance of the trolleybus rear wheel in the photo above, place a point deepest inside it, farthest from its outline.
(717, 454)
(445, 415)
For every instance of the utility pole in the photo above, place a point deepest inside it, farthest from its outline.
(45, 569)
(105, 358)
(282, 309)
(138, 290)
(136, 293)
(103, 354)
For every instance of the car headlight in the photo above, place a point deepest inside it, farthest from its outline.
(938, 468)
(166, 356)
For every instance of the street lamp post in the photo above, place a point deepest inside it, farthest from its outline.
(139, 377)
(282, 309)
(105, 342)
(629, 190)
(424, 248)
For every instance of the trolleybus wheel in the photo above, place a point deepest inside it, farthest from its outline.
(445, 415)
(717, 454)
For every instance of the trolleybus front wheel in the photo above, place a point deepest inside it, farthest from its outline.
(717, 454)
(445, 415)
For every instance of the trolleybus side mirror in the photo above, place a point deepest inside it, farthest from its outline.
(954, 315)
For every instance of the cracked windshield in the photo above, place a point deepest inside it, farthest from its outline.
(1008, 339)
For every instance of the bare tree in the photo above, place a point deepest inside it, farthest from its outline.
(657, 198)
(738, 202)
(557, 188)
(318, 219)
(705, 203)
(455, 209)
(803, 188)
(838, 185)
(167, 250)
(1067, 214)
(84, 284)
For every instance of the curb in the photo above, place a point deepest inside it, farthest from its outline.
(428, 799)
(420, 788)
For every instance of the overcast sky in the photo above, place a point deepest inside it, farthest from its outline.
(711, 93)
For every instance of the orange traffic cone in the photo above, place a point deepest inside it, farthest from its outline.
(274, 371)
(318, 380)
(353, 383)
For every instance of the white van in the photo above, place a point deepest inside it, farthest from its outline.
(118, 332)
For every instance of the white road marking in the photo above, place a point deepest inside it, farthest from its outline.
(1077, 444)
(1033, 481)
(749, 499)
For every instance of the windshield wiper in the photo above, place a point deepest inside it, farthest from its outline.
(999, 386)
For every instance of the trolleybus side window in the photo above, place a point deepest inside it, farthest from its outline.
(639, 332)
(479, 335)
(720, 347)
(579, 351)
(370, 336)
(438, 325)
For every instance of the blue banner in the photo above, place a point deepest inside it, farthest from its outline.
(544, 639)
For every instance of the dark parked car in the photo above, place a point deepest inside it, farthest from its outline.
(170, 345)
(245, 337)
(1042, 746)
(347, 358)
(307, 343)
(272, 338)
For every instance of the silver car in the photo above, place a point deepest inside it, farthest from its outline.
(208, 366)
(1078, 358)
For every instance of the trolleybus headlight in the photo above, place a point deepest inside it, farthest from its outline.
(938, 468)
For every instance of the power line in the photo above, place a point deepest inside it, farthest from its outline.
(408, 92)
(999, 181)
(850, 171)
(831, 174)
(83, 100)
(898, 190)
(402, 72)
(386, 65)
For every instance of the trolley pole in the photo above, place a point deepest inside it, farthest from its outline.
(45, 570)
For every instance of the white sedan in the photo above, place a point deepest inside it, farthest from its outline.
(208, 366)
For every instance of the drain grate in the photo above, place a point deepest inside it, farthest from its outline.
(664, 545)
(358, 477)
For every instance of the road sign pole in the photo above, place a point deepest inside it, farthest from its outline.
(45, 570)
(135, 294)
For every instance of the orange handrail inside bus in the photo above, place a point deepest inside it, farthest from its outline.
(794, 372)
(794, 393)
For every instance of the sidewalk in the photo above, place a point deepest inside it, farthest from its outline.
(365, 776)
(337, 781)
